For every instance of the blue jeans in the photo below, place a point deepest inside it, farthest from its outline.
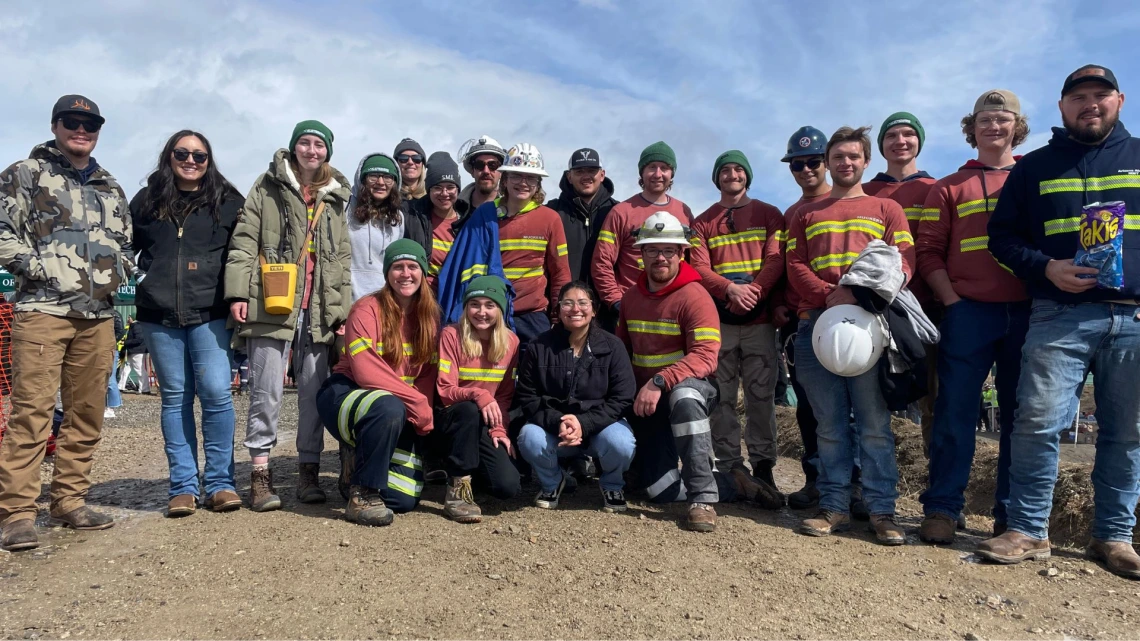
(194, 361)
(1062, 343)
(975, 337)
(870, 440)
(612, 447)
(114, 397)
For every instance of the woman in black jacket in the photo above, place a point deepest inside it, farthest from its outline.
(576, 386)
(183, 220)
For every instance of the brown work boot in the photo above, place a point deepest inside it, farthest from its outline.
(84, 518)
(262, 495)
(824, 523)
(1119, 557)
(937, 528)
(347, 467)
(756, 490)
(181, 505)
(224, 501)
(309, 483)
(1013, 547)
(459, 502)
(702, 518)
(887, 531)
(19, 535)
(366, 507)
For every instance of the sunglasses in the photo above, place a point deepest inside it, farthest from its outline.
(182, 155)
(492, 165)
(798, 165)
(72, 123)
(416, 158)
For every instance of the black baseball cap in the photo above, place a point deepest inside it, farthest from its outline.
(76, 104)
(1090, 73)
(584, 157)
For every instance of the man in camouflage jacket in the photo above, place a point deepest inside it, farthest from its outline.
(65, 234)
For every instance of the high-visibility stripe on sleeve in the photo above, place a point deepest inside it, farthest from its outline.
(359, 345)
(472, 272)
(657, 360)
(791, 243)
(903, 237)
(706, 334)
(913, 213)
(562, 250)
(971, 207)
(930, 214)
(445, 366)
(607, 236)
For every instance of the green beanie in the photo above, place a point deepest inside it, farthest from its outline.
(380, 164)
(657, 152)
(315, 127)
(405, 249)
(488, 286)
(732, 156)
(902, 118)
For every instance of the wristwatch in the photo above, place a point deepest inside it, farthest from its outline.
(659, 381)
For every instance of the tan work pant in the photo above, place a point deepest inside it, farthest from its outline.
(748, 353)
(48, 354)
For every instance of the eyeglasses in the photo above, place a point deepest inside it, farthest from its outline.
(182, 155)
(72, 123)
(664, 253)
(441, 190)
(372, 179)
(489, 165)
(416, 158)
(989, 121)
(523, 178)
(571, 304)
(812, 163)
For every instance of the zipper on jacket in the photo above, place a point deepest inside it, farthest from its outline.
(178, 275)
(87, 227)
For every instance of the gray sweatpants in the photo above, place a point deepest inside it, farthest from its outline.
(268, 364)
(747, 355)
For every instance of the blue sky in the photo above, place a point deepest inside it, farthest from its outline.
(613, 75)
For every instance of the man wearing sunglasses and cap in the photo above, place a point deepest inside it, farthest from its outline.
(65, 233)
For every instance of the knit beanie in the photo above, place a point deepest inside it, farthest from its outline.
(380, 164)
(732, 156)
(405, 249)
(902, 118)
(657, 152)
(316, 128)
(442, 169)
(489, 286)
(408, 144)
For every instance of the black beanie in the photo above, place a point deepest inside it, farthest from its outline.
(442, 169)
(408, 144)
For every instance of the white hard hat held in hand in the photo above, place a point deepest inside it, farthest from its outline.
(848, 340)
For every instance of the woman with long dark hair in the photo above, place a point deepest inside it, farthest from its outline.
(183, 220)
(375, 219)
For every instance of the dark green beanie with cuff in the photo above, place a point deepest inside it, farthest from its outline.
(316, 128)
(902, 118)
(732, 156)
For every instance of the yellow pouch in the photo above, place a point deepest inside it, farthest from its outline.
(278, 287)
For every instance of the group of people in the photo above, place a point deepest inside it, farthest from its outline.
(484, 332)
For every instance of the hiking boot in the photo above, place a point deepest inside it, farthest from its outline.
(824, 523)
(459, 502)
(224, 501)
(365, 507)
(1013, 547)
(702, 518)
(347, 468)
(937, 528)
(84, 518)
(309, 484)
(887, 531)
(999, 528)
(262, 495)
(613, 501)
(1119, 557)
(19, 535)
(859, 510)
(181, 505)
(807, 498)
(549, 500)
(755, 490)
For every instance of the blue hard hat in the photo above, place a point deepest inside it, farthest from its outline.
(807, 141)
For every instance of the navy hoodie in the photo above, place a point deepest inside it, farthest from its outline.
(1038, 213)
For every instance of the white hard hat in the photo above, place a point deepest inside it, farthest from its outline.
(477, 146)
(524, 158)
(848, 340)
(662, 227)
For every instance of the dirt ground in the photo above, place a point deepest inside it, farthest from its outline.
(577, 573)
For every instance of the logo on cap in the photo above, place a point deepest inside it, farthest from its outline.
(1091, 71)
(585, 154)
(805, 142)
(447, 177)
(80, 104)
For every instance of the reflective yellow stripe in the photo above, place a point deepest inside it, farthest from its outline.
(407, 459)
(518, 273)
(758, 235)
(975, 244)
(445, 366)
(903, 237)
(782, 235)
(740, 266)
(476, 374)
(833, 260)
(472, 272)
(913, 213)
(1131, 222)
(366, 404)
(342, 424)
(791, 243)
(404, 484)
(657, 360)
(1062, 225)
(973, 207)
(409, 349)
(706, 334)
(359, 345)
(930, 214)
(562, 251)
(836, 227)
(522, 244)
(437, 243)
(433, 269)
(607, 237)
(1096, 183)
(653, 327)
(410, 380)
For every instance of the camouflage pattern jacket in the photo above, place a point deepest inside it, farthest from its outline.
(273, 223)
(66, 242)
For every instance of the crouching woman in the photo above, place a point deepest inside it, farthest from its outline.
(377, 402)
(477, 360)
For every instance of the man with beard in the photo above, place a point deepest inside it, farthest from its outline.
(617, 260)
(1074, 324)
(670, 327)
(986, 312)
(65, 233)
(738, 252)
(481, 157)
(585, 201)
(823, 241)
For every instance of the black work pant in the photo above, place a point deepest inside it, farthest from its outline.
(464, 444)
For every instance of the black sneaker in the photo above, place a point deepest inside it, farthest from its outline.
(549, 500)
(613, 501)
